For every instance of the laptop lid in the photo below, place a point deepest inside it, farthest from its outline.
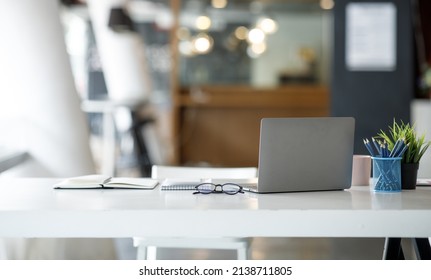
(305, 154)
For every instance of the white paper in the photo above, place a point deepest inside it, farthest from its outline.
(371, 36)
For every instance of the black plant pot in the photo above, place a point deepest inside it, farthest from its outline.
(409, 175)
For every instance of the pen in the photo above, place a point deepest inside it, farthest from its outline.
(395, 148)
(401, 144)
(400, 154)
(375, 144)
(368, 146)
(383, 150)
(380, 148)
(386, 148)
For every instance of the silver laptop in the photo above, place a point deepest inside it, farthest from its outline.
(304, 154)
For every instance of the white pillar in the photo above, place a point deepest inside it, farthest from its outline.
(39, 105)
(40, 112)
(421, 116)
(121, 54)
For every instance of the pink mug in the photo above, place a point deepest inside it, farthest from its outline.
(361, 170)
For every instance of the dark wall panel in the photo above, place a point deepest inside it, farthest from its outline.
(374, 98)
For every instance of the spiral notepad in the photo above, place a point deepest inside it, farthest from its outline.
(179, 187)
(179, 184)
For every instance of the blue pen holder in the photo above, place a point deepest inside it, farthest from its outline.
(387, 174)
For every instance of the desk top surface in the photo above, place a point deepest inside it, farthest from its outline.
(357, 212)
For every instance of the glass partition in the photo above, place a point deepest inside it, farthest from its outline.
(258, 43)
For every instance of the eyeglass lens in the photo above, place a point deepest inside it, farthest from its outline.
(207, 188)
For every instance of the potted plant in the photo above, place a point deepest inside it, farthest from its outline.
(417, 146)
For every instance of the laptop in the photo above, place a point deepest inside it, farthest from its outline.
(304, 154)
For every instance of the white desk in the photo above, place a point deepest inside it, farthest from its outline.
(31, 208)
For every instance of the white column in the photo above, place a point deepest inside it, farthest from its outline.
(121, 54)
(421, 116)
(40, 113)
(39, 106)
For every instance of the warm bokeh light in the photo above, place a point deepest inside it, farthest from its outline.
(186, 48)
(183, 33)
(256, 36)
(326, 4)
(203, 22)
(258, 48)
(219, 4)
(241, 32)
(267, 25)
(202, 43)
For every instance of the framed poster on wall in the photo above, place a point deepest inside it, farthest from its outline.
(371, 36)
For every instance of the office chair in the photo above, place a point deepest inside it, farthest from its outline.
(147, 246)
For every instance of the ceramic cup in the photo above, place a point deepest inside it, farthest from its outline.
(361, 170)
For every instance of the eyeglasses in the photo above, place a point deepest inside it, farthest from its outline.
(228, 188)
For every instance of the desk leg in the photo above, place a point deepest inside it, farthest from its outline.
(422, 248)
(393, 249)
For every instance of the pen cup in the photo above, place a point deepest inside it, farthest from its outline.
(387, 174)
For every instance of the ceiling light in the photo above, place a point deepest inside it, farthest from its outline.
(267, 25)
(202, 43)
(241, 32)
(326, 4)
(203, 22)
(258, 48)
(219, 4)
(256, 36)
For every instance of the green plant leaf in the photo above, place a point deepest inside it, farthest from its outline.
(400, 130)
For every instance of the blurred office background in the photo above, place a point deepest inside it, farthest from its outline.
(115, 86)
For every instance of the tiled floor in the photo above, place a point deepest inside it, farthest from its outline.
(261, 249)
(286, 248)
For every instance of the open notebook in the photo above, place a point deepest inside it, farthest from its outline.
(106, 182)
